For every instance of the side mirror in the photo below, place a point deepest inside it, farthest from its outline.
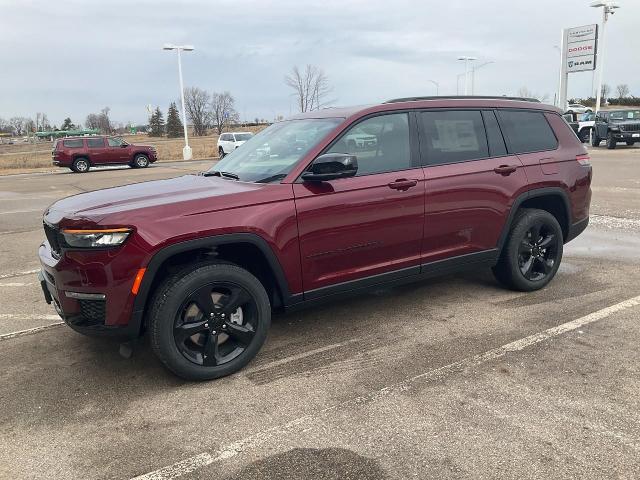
(124, 145)
(331, 166)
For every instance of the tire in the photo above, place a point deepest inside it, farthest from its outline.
(140, 161)
(583, 135)
(631, 143)
(176, 312)
(611, 142)
(80, 165)
(595, 140)
(525, 264)
(221, 153)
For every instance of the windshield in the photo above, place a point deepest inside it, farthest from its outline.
(271, 154)
(243, 137)
(625, 115)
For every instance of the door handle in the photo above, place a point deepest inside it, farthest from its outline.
(402, 184)
(505, 170)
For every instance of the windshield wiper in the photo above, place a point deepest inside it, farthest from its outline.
(218, 173)
(272, 178)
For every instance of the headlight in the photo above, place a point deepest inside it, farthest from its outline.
(95, 238)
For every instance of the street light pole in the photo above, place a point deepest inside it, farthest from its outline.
(608, 7)
(473, 75)
(437, 86)
(187, 153)
(466, 72)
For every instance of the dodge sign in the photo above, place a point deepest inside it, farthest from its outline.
(580, 48)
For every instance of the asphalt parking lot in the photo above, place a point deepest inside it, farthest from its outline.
(452, 378)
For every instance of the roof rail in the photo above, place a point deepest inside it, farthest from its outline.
(463, 97)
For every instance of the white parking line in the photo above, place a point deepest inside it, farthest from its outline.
(30, 331)
(202, 460)
(19, 274)
(15, 284)
(13, 212)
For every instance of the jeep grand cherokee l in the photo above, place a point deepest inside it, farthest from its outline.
(298, 215)
(81, 153)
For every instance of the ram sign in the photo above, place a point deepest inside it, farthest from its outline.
(580, 48)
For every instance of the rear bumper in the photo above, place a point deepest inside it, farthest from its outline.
(576, 229)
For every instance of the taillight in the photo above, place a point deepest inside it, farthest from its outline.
(584, 160)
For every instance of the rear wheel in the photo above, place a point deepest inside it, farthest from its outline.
(630, 143)
(80, 165)
(221, 153)
(532, 253)
(611, 142)
(209, 322)
(140, 161)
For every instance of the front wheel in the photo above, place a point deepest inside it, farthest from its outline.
(532, 253)
(209, 322)
(595, 139)
(140, 161)
(631, 143)
(611, 142)
(221, 153)
(583, 135)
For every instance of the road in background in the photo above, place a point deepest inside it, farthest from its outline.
(450, 378)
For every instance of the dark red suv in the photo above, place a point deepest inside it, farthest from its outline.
(81, 153)
(329, 202)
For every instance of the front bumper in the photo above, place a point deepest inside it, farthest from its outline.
(622, 136)
(90, 291)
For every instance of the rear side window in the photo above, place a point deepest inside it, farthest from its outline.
(527, 131)
(73, 143)
(95, 142)
(454, 136)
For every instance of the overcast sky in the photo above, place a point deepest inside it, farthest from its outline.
(71, 58)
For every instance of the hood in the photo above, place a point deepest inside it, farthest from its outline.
(186, 195)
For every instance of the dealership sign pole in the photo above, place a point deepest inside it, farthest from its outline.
(579, 53)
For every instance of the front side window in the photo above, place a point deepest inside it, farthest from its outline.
(73, 143)
(271, 154)
(527, 131)
(625, 115)
(116, 141)
(454, 136)
(381, 144)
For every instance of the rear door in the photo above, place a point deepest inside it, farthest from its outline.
(470, 182)
(355, 229)
(97, 150)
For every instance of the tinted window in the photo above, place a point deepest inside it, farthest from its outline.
(494, 135)
(243, 137)
(380, 143)
(527, 131)
(454, 136)
(225, 137)
(95, 142)
(74, 143)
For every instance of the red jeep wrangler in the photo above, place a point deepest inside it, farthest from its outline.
(301, 214)
(81, 153)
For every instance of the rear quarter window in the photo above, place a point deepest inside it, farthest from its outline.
(74, 143)
(527, 131)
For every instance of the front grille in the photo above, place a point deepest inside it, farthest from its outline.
(630, 127)
(92, 311)
(53, 237)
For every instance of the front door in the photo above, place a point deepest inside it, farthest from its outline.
(116, 153)
(359, 228)
(470, 182)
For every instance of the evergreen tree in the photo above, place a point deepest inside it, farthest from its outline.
(67, 125)
(156, 123)
(174, 125)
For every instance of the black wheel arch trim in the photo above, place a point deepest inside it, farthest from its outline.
(165, 253)
(529, 194)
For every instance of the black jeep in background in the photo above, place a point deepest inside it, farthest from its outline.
(617, 126)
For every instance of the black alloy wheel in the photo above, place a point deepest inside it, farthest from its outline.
(538, 252)
(216, 323)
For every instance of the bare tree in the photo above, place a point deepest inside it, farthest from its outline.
(5, 127)
(223, 110)
(197, 104)
(623, 90)
(310, 87)
(92, 122)
(526, 93)
(605, 91)
(18, 125)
